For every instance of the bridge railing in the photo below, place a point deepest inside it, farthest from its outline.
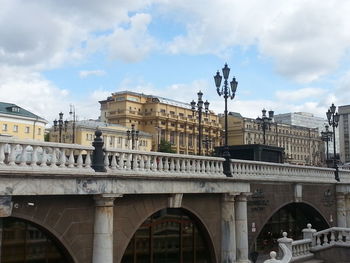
(124, 161)
(36, 155)
(255, 170)
(334, 236)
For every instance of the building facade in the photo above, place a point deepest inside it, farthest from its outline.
(114, 135)
(344, 135)
(301, 145)
(308, 120)
(20, 123)
(165, 119)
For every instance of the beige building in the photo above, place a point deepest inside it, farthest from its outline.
(165, 119)
(20, 123)
(114, 135)
(301, 145)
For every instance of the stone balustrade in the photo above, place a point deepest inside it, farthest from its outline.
(334, 236)
(132, 161)
(30, 155)
(301, 249)
(254, 170)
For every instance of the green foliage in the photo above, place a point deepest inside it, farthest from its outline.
(47, 137)
(165, 147)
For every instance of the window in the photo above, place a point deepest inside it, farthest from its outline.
(39, 131)
(27, 129)
(15, 128)
(4, 127)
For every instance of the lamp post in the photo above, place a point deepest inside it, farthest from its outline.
(60, 125)
(72, 114)
(207, 143)
(333, 120)
(265, 122)
(133, 135)
(226, 92)
(158, 129)
(326, 136)
(198, 108)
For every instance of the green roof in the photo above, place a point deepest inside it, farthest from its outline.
(13, 109)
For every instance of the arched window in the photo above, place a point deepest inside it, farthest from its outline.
(24, 242)
(168, 236)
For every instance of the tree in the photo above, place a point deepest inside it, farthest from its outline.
(165, 147)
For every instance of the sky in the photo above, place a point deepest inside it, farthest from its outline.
(287, 56)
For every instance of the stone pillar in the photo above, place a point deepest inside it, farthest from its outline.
(341, 212)
(241, 229)
(103, 229)
(347, 207)
(228, 229)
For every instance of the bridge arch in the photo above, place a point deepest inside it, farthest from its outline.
(23, 240)
(291, 218)
(171, 234)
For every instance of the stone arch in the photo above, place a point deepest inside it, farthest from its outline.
(195, 220)
(309, 213)
(37, 229)
(131, 212)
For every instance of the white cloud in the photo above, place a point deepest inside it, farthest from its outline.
(87, 73)
(300, 94)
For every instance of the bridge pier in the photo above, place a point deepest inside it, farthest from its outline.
(103, 229)
(241, 228)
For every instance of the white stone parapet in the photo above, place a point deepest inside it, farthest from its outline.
(334, 236)
(125, 161)
(30, 155)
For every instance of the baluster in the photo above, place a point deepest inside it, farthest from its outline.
(340, 237)
(203, 167)
(188, 165)
(128, 161)
(53, 158)
(12, 154)
(148, 163)
(325, 239)
(88, 160)
(63, 158)
(2, 153)
(347, 237)
(71, 159)
(172, 164)
(333, 238)
(23, 157)
(154, 164)
(142, 163)
(212, 168)
(114, 161)
(193, 166)
(217, 167)
(207, 167)
(43, 157)
(160, 166)
(318, 241)
(183, 165)
(135, 159)
(198, 166)
(294, 251)
(80, 160)
(106, 160)
(34, 159)
(166, 164)
(177, 166)
(121, 161)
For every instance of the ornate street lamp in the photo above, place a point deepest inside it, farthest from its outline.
(198, 108)
(72, 114)
(207, 143)
(326, 136)
(265, 122)
(226, 92)
(333, 120)
(133, 135)
(60, 125)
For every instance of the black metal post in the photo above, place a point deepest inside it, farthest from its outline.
(226, 93)
(333, 119)
(98, 155)
(72, 113)
(60, 124)
(200, 131)
(265, 122)
(133, 135)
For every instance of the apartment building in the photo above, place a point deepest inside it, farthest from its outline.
(165, 119)
(302, 145)
(114, 135)
(20, 123)
(344, 135)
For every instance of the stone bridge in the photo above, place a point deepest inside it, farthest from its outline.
(155, 207)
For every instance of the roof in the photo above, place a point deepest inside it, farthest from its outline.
(13, 109)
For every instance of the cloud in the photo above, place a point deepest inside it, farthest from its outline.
(300, 94)
(87, 73)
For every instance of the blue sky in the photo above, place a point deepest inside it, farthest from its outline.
(287, 56)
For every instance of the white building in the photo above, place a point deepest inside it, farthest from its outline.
(344, 136)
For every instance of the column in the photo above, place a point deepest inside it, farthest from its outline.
(228, 229)
(103, 229)
(341, 212)
(347, 207)
(241, 229)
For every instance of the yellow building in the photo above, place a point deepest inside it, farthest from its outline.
(114, 135)
(20, 123)
(165, 119)
(301, 145)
